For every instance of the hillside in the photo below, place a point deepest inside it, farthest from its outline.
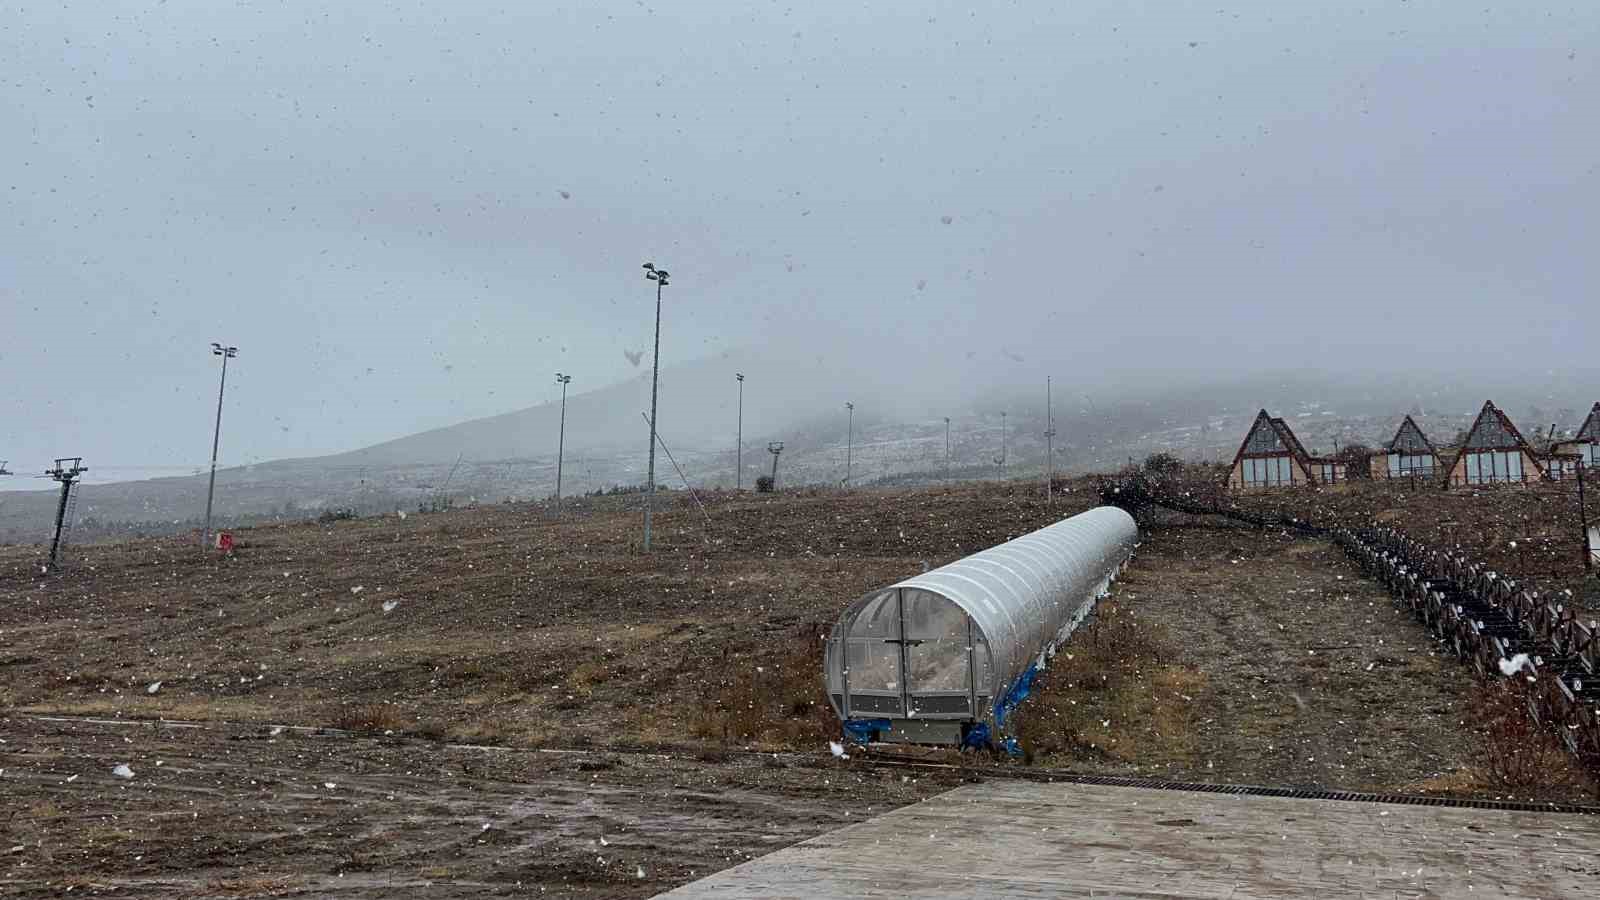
(897, 439)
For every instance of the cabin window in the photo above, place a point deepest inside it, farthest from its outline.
(1492, 466)
(1408, 465)
(1269, 472)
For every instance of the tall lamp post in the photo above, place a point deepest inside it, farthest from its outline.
(1049, 445)
(226, 353)
(738, 441)
(659, 276)
(561, 440)
(849, 441)
(947, 449)
(1003, 433)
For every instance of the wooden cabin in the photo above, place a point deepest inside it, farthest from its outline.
(1581, 449)
(1409, 455)
(1495, 452)
(1272, 456)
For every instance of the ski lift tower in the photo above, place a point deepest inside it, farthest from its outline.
(66, 471)
(775, 448)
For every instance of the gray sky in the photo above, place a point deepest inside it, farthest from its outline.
(410, 214)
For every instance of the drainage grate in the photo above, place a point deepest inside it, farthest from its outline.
(1250, 790)
(1345, 796)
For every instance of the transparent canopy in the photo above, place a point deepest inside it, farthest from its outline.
(946, 643)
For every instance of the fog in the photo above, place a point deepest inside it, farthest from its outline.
(411, 215)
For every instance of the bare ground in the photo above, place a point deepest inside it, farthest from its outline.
(671, 703)
(226, 811)
(1240, 656)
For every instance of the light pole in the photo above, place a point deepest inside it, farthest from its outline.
(849, 441)
(1049, 445)
(1002, 445)
(659, 276)
(561, 441)
(947, 449)
(738, 448)
(226, 353)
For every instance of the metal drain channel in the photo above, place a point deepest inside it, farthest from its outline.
(1246, 790)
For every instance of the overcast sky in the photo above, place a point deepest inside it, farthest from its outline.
(410, 214)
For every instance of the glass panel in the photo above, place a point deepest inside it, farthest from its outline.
(874, 672)
(980, 670)
(936, 652)
(1263, 439)
(1513, 466)
(1395, 461)
(1285, 471)
(833, 667)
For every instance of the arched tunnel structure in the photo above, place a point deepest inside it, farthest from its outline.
(944, 657)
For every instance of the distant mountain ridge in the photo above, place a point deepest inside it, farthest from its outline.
(898, 434)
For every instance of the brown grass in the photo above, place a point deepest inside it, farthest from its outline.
(264, 886)
(1515, 755)
(378, 717)
(769, 697)
(1115, 693)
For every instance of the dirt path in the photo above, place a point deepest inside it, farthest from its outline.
(1253, 657)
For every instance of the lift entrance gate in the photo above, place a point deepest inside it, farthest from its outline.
(911, 654)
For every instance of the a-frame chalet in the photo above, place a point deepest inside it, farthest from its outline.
(1495, 452)
(1272, 456)
(1409, 455)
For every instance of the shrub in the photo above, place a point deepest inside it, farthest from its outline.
(1162, 464)
(764, 484)
(774, 698)
(1517, 755)
(368, 717)
(1357, 460)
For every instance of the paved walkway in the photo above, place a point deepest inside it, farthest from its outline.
(1021, 839)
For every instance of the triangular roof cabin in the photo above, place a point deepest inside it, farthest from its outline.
(1493, 433)
(1410, 440)
(1270, 439)
(1408, 455)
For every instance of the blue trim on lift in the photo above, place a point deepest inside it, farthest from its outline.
(862, 730)
(1020, 689)
(977, 737)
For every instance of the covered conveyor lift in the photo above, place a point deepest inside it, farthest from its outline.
(943, 658)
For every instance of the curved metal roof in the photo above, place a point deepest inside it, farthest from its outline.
(1025, 594)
